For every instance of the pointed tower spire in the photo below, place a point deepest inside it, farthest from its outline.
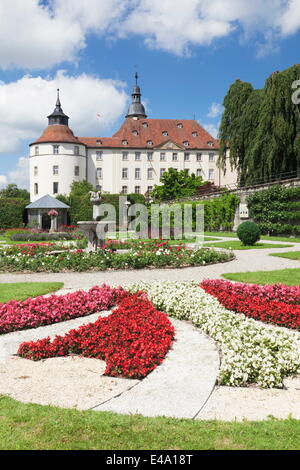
(136, 109)
(58, 117)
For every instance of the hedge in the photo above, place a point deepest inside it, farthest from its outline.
(276, 210)
(12, 212)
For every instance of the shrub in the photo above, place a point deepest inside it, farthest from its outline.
(23, 237)
(248, 233)
(12, 212)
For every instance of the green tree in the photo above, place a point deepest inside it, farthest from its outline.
(79, 201)
(176, 184)
(13, 191)
(262, 128)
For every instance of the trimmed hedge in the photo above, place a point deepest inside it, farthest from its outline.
(276, 210)
(12, 212)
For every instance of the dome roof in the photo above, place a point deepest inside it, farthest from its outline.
(57, 133)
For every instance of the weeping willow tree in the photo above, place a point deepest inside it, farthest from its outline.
(262, 128)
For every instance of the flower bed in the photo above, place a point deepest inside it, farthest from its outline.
(271, 304)
(157, 255)
(252, 353)
(133, 340)
(40, 311)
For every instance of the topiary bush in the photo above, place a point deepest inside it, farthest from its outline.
(248, 233)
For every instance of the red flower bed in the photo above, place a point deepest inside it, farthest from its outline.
(264, 303)
(133, 340)
(33, 313)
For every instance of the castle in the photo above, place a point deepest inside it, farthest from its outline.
(131, 161)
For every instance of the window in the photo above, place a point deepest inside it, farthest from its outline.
(195, 134)
(211, 144)
(55, 188)
(175, 157)
(179, 125)
(186, 143)
(98, 142)
(124, 173)
(125, 142)
(137, 190)
(162, 171)
(135, 133)
(36, 188)
(76, 171)
(55, 149)
(37, 150)
(150, 156)
(124, 155)
(99, 155)
(211, 157)
(149, 189)
(149, 142)
(211, 174)
(76, 150)
(145, 124)
(55, 170)
(150, 173)
(186, 157)
(99, 173)
(35, 171)
(124, 189)
(199, 172)
(137, 174)
(162, 157)
(199, 157)
(165, 133)
(137, 156)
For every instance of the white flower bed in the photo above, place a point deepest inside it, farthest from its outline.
(252, 352)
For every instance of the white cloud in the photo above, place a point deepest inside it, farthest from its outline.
(3, 180)
(35, 36)
(24, 105)
(212, 129)
(20, 175)
(215, 110)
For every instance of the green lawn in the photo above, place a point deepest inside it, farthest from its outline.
(290, 277)
(23, 290)
(263, 237)
(237, 245)
(27, 426)
(289, 255)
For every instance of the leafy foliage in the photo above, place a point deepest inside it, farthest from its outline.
(13, 191)
(262, 128)
(176, 184)
(79, 201)
(249, 233)
(12, 212)
(276, 210)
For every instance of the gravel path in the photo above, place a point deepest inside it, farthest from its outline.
(246, 260)
(180, 387)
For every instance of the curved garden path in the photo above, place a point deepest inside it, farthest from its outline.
(183, 386)
(246, 260)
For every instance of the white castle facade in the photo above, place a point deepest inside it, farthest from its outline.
(131, 161)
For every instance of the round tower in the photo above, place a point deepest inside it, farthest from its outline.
(57, 158)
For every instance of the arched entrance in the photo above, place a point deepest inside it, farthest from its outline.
(46, 222)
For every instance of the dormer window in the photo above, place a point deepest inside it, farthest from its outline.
(180, 125)
(186, 143)
(210, 143)
(145, 124)
(125, 142)
(165, 133)
(195, 134)
(98, 142)
(135, 133)
(149, 142)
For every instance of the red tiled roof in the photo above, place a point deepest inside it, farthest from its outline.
(57, 133)
(139, 133)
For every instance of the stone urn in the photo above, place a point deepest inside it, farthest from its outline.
(53, 217)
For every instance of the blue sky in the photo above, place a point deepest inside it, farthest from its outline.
(187, 55)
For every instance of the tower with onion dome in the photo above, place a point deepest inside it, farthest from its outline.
(57, 158)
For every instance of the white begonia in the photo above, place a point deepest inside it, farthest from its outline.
(251, 352)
